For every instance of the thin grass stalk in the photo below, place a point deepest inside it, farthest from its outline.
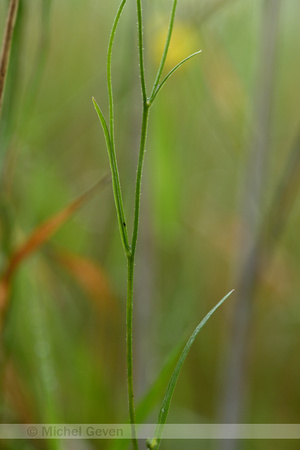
(160, 85)
(129, 349)
(116, 176)
(131, 256)
(141, 50)
(115, 181)
(109, 78)
(6, 45)
(165, 52)
(130, 277)
(130, 250)
(139, 178)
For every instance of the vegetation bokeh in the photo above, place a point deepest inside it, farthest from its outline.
(63, 332)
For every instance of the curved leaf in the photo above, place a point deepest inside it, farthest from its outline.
(115, 178)
(165, 52)
(163, 414)
(159, 86)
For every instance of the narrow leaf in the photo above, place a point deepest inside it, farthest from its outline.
(141, 49)
(109, 80)
(170, 73)
(151, 397)
(153, 394)
(116, 179)
(104, 125)
(165, 52)
(163, 414)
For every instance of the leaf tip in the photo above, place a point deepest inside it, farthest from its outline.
(227, 295)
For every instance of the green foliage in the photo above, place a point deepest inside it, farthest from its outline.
(165, 407)
(185, 230)
(130, 249)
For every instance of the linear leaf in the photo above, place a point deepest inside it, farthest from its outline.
(104, 125)
(109, 80)
(163, 414)
(115, 178)
(171, 72)
(153, 394)
(165, 52)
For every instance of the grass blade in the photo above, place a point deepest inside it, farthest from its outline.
(109, 80)
(141, 50)
(104, 125)
(163, 414)
(159, 86)
(115, 178)
(165, 52)
(154, 393)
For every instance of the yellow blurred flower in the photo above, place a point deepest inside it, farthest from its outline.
(184, 42)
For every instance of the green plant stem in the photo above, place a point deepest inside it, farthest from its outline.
(129, 347)
(165, 52)
(139, 178)
(120, 207)
(115, 181)
(141, 49)
(160, 85)
(109, 79)
(130, 275)
(130, 250)
(131, 255)
(109, 136)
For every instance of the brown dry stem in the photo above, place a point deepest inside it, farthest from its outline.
(6, 45)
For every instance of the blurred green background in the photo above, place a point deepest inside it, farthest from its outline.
(220, 210)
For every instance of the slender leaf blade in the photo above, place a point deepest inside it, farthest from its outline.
(154, 393)
(116, 179)
(108, 70)
(166, 49)
(165, 407)
(171, 73)
(104, 125)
